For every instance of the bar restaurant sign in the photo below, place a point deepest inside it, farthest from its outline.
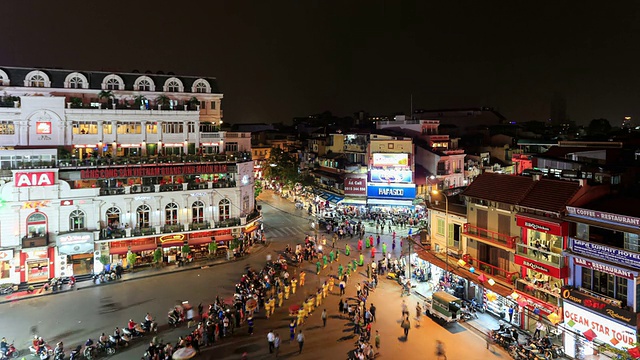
(599, 306)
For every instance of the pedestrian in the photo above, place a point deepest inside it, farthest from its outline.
(406, 325)
(377, 342)
(372, 310)
(300, 341)
(418, 314)
(250, 324)
(539, 328)
(405, 309)
(324, 317)
(271, 337)
(440, 350)
(292, 330)
(276, 344)
(342, 286)
(510, 313)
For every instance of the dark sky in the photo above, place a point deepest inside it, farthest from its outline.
(278, 59)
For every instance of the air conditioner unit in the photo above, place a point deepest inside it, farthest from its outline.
(235, 231)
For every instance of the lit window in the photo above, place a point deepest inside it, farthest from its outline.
(143, 216)
(197, 212)
(76, 83)
(77, 220)
(224, 209)
(36, 81)
(171, 214)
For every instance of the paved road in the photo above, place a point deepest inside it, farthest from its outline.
(75, 316)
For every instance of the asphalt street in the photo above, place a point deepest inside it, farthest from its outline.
(74, 316)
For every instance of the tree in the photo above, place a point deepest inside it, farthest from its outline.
(599, 127)
(283, 167)
(131, 259)
(163, 101)
(234, 243)
(193, 103)
(257, 188)
(185, 249)
(76, 102)
(213, 248)
(104, 259)
(106, 95)
(157, 256)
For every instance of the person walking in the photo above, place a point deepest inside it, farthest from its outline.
(372, 310)
(440, 354)
(276, 344)
(539, 328)
(324, 317)
(418, 314)
(300, 339)
(271, 337)
(406, 325)
(377, 342)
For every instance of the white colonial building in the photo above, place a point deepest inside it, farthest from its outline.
(94, 165)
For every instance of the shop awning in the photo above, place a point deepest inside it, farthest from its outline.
(223, 237)
(134, 249)
(331, 197)
(390, 202)
(200, 240)
(172, 243)
(352, 201)
(250, 229)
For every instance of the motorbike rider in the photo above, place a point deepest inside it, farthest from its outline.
(103, 339)
(116, 334)
(148, 320)
(38, 345)
(4, 346)
(59, 349)
(132, 327)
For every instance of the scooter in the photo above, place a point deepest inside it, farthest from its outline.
(11, 352)
(136, 332)
(149, 326)
(123, 341)
(75, 353)
(174, 320)
(48, 350)
(108, 348)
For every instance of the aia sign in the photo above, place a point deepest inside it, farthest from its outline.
(45, 178)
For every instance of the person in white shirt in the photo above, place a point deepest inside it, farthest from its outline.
(271, 338)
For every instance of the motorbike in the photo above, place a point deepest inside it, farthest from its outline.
(149, 326)
(6, 290)
(48, 350)
(136, 332)
(174, 320)
(58, 354)
(75, 354)
(108, 348)
(11, 352)
(122, 341)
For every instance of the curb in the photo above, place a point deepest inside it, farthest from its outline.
(146, 276)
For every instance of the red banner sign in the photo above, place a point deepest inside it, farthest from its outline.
(533, 303)
(126, 172)
(541, 226)
(355, 186)
(42, 178)
(538, 266)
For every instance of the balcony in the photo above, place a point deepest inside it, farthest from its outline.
(111, 191)
(35, 240)
(143, 231)
(74, 163)
(538, 292)
(200, 225)
(490, 237)
(228, 223)
(172, 228)
(540, 255)
(253, 215)
(493, 271)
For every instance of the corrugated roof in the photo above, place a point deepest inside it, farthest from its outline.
(550, 195)
(544, 194)
(506, 189)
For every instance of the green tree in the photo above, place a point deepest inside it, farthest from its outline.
(104, 259)
(257, 188)
(235, 243)
(282, 167)
(599, 127)
(131, 259)
(213, 248)
(185, 249)
(107, 95)
(157, 256)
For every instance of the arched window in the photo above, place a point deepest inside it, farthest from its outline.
(77, 220)
(224, 209)
(113, 217)
(112, 82)
(37, 79)
(36, 225)
(143, 214)
(201, 86)
(76, 80)
(197, 212)
(4, 78)
(173, 85)
(171, 214)
(144, 83)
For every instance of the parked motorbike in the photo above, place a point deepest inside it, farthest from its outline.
(6, 290)
(175, 320)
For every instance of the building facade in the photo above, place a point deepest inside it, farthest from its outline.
(91, 170)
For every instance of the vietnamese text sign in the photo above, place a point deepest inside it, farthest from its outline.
(126, 172)
(605, 330)
(599, 251)
(355, 186)
(393, 159)
(393, 191)
(391, 176)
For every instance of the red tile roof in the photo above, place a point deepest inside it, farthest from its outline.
(544, 194)
(501, 188)
(550, 195)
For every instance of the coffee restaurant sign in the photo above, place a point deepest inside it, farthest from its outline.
(599, 306)
(620, 219)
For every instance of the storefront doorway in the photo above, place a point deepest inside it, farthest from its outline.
(82, 264)
(37, 270)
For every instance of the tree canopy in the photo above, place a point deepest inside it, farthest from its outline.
(282, 167)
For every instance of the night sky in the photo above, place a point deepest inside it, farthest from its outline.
(278, 59)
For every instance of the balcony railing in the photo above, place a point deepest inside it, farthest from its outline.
(172, 228)
(199, 225)
(543, 256)
(538, 292)
(489, 236)
(138, 188)
(35, 240)
(111, 191)
(228, 223)
(143, 231)
(492, 270)
(253, 215)
(148, 160)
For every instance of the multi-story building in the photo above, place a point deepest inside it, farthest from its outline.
(95, 165)
(604, 263)
(391, 169)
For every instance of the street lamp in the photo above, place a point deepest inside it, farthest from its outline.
(446, 227)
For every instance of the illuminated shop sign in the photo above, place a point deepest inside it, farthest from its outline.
(355, 186)
(36, 204)
(391, 176)
(171, 238)
(540, 267)
(598, 215)
(127, 172)
(610, 254)
(43, 127)
(605, 268)
(74, 239)
(601, 307)
(43, 178)
(548, 227)
(390, 159)
(397, 191)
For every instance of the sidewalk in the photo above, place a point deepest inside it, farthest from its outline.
(133, 275)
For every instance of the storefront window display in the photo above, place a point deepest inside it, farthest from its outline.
(542, 287)
(37, 270)
(6, 257)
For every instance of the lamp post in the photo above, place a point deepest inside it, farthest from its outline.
(446, 228)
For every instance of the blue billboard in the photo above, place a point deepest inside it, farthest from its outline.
(392, 191)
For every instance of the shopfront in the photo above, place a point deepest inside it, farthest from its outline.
(385, 196)
(589, 323)
(75, 253)
(8, 273)
(36, 264)
(142, 247)
(199, 243)
(532, 309)
(543, 239)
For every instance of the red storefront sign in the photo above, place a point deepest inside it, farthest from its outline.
(40, 178)
(533, 303)
(355, 186)
(541, 267)
(536, 224)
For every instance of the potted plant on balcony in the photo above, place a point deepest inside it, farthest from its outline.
(193, 103)
(514, 278)
(163, 101)
(76, 102)
(107, 95)
(139, 102)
